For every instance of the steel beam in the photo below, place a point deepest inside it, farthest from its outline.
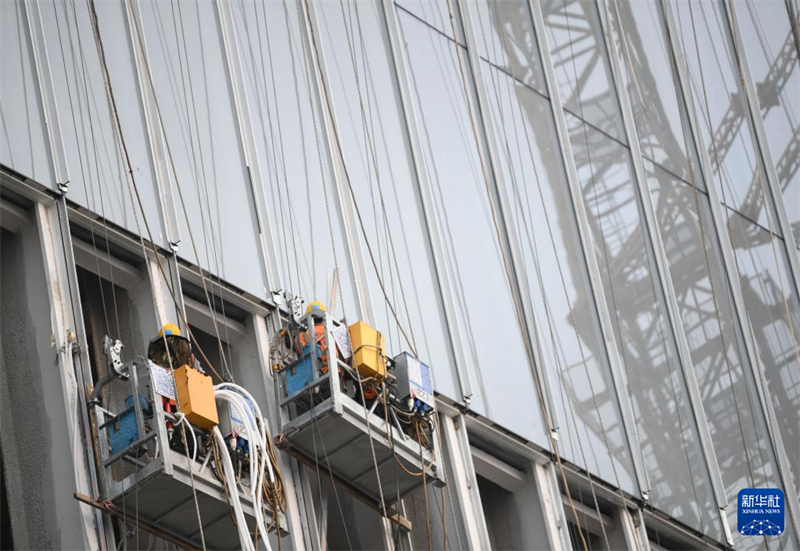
(755, 373)
(661, 262)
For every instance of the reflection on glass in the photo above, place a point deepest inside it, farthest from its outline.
(715, 82)
(379, 164)
(581, 63)
(294, 164)
(436, 13)
(98, 174)
(506, 38)
(503, 372)
(23, 145)
(670, 444)
(647, 65)
(573, 346)
(772, 56)
(736, 421)
(768, 295)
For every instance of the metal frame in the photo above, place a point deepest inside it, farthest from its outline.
(584, 230)
(661, 262)
(729, 263)
(167, 463)
(341, 405)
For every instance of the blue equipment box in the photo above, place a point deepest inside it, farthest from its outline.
(122, 433)
(300, 374)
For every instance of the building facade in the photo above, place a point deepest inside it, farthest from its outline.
(584, 215)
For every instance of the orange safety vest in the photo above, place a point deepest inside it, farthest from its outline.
(319, 338)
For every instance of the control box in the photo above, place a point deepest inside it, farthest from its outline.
(368, 345)
(196, 397)
(414, 382)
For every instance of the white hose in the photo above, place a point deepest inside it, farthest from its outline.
(182, 419)
(258, 436)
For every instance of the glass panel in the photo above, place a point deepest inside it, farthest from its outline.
(385, 188)
(492, 334)
(289, 134)
(505, 36)
(98, 174)
(647, 63)
(565, 309)
(772, 55)
(769, 297)
(23, 144)
(735, 418)
(665, 422)
(581, 63)
(193, 88)
(715, 84)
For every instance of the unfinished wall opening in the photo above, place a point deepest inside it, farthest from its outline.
(6, 535)
(591, 517)
(509, 496)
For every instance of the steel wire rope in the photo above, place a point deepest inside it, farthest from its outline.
(83, 169)
(289, 207)
(307, 72)
(532, 243)
(652, 279)
(518, 307)
(303, 14)
(760, 372)
(369, 139)
(214, 256)
(178, 185)
(132, 184)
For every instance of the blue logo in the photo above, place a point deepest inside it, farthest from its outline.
(761, 512)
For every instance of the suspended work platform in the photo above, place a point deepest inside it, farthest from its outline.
(357, 442)
(149, 481)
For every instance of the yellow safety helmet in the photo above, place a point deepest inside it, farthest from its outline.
(316, 305)
(169, 329)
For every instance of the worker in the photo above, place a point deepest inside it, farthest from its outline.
(304, 337)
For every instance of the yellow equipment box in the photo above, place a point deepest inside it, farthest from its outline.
(368, 345)
(196, 397)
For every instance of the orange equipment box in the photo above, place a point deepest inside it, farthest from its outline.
(368, 348)
(196, 397)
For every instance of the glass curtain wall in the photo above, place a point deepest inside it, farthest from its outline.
(295, 163)
(592, 433)
(454, 156)
(673, 459)
(760, 252)
(738, 427)
(98, 174)
(385, 193)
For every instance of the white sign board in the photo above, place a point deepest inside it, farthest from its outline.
(163, 381)
(342, 338)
